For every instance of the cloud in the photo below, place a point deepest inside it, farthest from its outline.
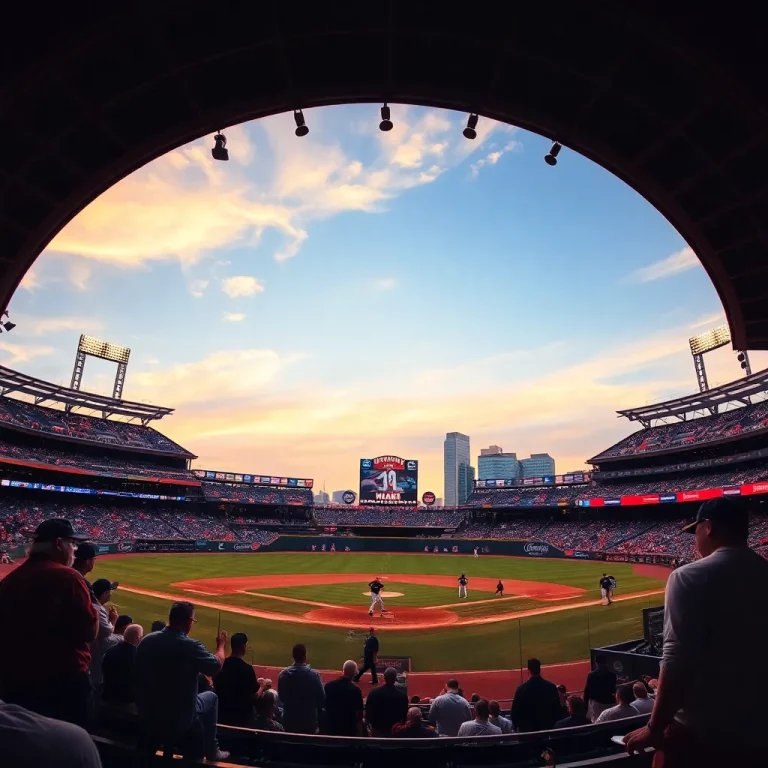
(197, 288)
(241, 285)
(492, 158)
(680, 261)
(15, 354)
(234, 317)
(42, 326)
(31, 279)
(385, 283)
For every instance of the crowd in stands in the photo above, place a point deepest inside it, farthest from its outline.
(695, 432)
(88, 428)
(255, 494)
(59, 457)
(437, 517)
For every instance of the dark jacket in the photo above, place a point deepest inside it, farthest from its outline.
(601, 686)
(536, 706)
(343, 707)
(384, 707)
(572, 721)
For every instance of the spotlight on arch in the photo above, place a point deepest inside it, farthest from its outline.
(386, 121)
(219, 150)
(470, 132)
(551, 158)
(301, 123)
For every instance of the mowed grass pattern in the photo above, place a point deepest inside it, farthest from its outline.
(555, 637)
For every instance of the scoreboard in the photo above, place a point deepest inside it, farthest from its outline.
(389, 481)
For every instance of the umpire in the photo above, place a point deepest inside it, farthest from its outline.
(370, 655)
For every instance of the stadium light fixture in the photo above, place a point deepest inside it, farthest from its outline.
(386, 119)
(301, 123)
(219, 150)
(8, 325)
(470, 132)
(714, 339)
(551, 158)
(103, 349)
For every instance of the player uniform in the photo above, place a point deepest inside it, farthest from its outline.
(475, 550)
(463, 581)
(605, 590)
(613, 586)
(499, 589)
(376, 586)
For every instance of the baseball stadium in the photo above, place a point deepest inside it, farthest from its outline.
(557, 577)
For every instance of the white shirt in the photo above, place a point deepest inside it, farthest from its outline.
(29, 740)
(479, 728)
(616, 713)
(715, 633)
(501, 722)
(643, 706)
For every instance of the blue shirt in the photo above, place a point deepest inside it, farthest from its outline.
(301, 691)
(166, 670)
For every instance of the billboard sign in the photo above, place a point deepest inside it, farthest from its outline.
(428, 498)
(388, 480)
(348, 497)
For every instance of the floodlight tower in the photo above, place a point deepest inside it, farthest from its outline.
(706, 342)
(89, 346)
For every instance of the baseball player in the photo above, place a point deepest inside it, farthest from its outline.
(463, 581)
(376, 586)
(499, 589)
(605, 589)
(476, 550)
(613, 586)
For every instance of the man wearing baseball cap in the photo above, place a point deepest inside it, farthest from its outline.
(715, 619)
(47, 622)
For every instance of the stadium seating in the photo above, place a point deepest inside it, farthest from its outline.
(688, 433)
(16, 413)
(254, 494)
(439, 517)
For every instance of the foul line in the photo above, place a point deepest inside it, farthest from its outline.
(283, 598)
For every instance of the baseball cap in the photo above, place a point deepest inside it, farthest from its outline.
(58, 528)
(86, 551)
(725, 512)
(100, 586)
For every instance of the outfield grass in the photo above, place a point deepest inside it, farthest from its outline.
(555, 637)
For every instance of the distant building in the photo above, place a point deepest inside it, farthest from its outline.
(466, 482)
(538, 465)
(494, 464)
(455, 453)
(322, 498)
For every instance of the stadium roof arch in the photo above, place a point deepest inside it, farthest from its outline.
(75, 400)
(670, 97)
(738, 393)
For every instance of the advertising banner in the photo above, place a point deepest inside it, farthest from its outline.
(388, 481)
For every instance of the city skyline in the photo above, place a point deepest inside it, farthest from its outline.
(319, 300)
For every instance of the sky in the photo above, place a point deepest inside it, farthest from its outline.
(355, 293)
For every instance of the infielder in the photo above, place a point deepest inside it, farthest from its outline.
(605, 590)
(613, 586)
(463, 581)
(475, 550)
(499, 589)
(376, 586)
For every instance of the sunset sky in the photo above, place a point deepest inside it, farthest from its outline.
(355, 293)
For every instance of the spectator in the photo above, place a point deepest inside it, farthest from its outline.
(122, 621)
(474, 698)
(265, 713)
(577, 713)
(118, 666)
(449, 710)
(496, 719)
(102, 591)
(302, 694)
(480, 725)
(344, 704)
(236, 686)
(562, 692)
(386, 706)
(413, 728)
(167, 666)
(623, 708)
(713, 607)
(46, 614)
(158, 626)
(643, 703)
(600, 688)
(85, 555)
(536, 706)
(28, 740)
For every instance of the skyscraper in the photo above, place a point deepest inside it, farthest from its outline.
(466, 482)
(494, 464)
(455, 453)
(539, 465)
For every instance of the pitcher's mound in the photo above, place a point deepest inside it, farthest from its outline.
(384, 594)
(399, 618)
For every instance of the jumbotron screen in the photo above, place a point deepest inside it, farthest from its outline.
(389, 480)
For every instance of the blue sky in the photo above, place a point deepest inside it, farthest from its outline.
(356, 293)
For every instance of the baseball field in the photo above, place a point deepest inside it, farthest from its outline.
(550, 608)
